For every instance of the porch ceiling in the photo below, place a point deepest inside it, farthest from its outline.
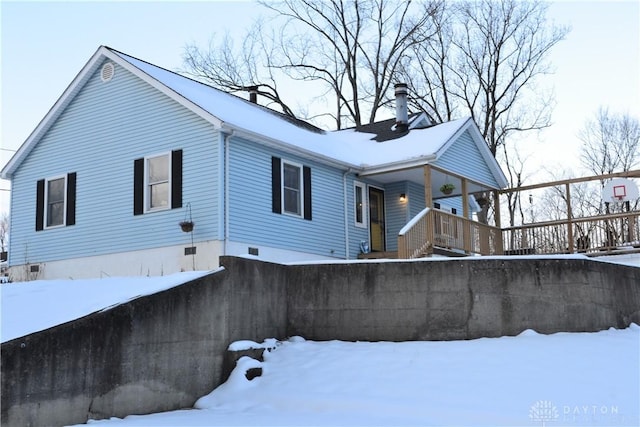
(438, 178)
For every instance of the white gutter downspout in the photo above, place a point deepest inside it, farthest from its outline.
(346, 213)
(226, 190)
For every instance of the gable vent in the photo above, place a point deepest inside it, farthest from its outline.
(108, 70)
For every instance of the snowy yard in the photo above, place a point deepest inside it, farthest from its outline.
(576, 379)
(573, 379)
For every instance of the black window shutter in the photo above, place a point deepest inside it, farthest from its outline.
(306, 181)
(138, 186)
(176, 179)
(71, 199)
(40, 205)
(276, 186)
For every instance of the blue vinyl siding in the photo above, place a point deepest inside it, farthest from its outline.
(463, 157)
(416, 199)
(98, 136)
(397, 212)
(251, 216)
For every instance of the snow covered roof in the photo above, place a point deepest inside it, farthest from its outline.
(353, 148)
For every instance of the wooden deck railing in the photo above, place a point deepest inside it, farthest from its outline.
(594, 235)
(433, 228)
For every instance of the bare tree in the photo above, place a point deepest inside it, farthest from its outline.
(247, 68)
(515, 174)
(486, 61)
(4, 231)
(611, 142)
(351, 50)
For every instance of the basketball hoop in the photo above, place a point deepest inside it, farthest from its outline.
(620, 190)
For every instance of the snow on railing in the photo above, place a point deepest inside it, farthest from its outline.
(416, 237)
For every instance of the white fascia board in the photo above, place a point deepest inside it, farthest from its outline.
(491, 161)
(398, 166)
(288, 148)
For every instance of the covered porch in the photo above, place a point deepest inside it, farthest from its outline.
(445, 222)
(437, 231)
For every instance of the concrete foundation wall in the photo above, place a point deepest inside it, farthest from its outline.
(460, 298)
(163, 351)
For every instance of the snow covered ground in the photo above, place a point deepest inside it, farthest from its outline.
(29, 307)
(574, 379)
(564, 379)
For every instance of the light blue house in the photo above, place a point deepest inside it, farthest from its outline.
(130, 150)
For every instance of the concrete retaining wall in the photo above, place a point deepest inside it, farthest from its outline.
(163, 351)
(460, 298)
(152, 354)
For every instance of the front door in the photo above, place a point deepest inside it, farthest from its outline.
(376, 219)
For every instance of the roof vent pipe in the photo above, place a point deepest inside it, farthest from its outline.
(253, 94)
(402, 113)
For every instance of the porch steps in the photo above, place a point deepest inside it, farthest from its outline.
(379, 255)
(394, 254)
(447, 252)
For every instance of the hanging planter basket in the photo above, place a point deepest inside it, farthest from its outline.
(187, 224)
(447, 188)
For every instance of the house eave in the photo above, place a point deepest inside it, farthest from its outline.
(397, 166)
(288, 148)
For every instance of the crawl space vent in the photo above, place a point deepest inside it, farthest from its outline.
(108, 70)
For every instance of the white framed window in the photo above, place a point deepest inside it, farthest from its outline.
(292, 188)
(55, 201)
(360, 204)
(158, 182)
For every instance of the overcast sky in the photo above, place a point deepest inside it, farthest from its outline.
(45, 44)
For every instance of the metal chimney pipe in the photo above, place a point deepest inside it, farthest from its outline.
(253, 94)
(402, 111)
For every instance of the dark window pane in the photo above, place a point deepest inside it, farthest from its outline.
(158, 169)
(291, 176)
(56, 190)
(159, 195)
(55, 214)
(292, 201)
(55, 202)
(291, 190)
